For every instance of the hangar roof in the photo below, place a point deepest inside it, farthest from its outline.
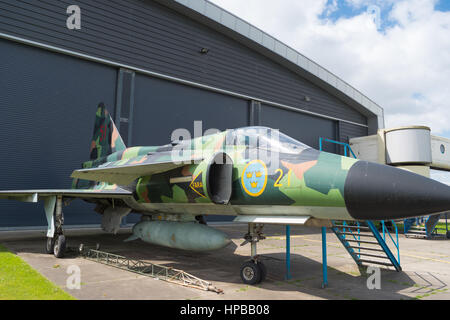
(233, 26)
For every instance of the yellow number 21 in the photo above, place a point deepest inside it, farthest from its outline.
(277, 184)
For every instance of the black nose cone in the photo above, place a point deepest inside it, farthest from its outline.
(376, 192)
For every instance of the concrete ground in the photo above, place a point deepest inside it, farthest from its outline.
(426, 268)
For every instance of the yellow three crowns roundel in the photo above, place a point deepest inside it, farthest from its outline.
(254, 178)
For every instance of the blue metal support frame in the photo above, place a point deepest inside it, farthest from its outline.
(383, 244)
(288, 253)
(407, 224)
(430, 231)
(324, 257)
(342, 237)
(324, 229)
(345, 145)
(395, 242)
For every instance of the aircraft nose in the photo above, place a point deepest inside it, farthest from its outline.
(376, 192)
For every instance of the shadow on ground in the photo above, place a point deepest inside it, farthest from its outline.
(221, 267)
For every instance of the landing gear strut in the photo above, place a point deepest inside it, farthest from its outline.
(57, 244)
(253, 271)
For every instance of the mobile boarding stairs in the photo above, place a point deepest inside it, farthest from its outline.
(426, 227)
(362, 239)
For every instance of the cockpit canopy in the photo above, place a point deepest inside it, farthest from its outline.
(265, 138)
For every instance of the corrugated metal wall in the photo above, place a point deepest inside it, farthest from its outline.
(150, 36)
(162, 106)
(347, 131)
(303, 127)
(47, 112)
(48, 100)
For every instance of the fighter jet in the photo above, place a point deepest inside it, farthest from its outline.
(257, 174)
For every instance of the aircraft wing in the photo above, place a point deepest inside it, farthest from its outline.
(115, 173)
(36, 195)
(49, 196)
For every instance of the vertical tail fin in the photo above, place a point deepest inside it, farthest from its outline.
(106, 139)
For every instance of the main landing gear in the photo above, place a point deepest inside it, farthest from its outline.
(57, 244)
(253, 271)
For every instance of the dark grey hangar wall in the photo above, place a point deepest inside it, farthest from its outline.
(144, 60)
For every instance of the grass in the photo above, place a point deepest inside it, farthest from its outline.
(440, 228)
(18, 281)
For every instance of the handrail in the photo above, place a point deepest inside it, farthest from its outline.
(346, 145)
(358, 237)
(396, 243)
(341, 238)
(344, 223)
(384, 245)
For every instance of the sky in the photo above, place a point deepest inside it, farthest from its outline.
(396, 52)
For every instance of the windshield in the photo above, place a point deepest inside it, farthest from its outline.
(267, 138)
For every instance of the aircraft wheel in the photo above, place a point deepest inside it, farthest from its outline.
(60, 247)
(50, 245)
(263, 269)
(250, 273)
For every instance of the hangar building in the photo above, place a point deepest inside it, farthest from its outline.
(158, 65)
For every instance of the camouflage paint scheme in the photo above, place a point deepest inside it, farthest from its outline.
(307, 182)
(268, 177)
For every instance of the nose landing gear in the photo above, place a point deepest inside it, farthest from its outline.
(253, 271)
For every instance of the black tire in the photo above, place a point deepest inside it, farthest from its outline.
(263, 269)
(201, 219)
(50, 245)
(60, 247)
(250, 273)
(448, 234)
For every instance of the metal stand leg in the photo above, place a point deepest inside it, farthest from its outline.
(324, 257)
(288, 253)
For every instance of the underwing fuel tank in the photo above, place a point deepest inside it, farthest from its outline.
(190, 236)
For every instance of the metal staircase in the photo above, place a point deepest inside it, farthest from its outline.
(423, 227)
(362, 239)
(366, 245)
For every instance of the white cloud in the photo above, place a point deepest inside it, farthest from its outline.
(404, 68)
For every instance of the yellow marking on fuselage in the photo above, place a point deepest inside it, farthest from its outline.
(277, 184)
(192, 186)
